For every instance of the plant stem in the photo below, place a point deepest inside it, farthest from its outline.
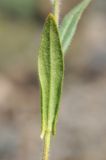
(46, 146)
(56, 10)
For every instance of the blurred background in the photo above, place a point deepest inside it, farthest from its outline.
(81, 133)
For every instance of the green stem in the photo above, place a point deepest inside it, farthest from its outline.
(46, 146)
(56, 10)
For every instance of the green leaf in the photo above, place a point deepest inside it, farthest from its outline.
(50, 65)
(70, 23)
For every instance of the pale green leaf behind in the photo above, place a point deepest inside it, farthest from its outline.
(70, 23)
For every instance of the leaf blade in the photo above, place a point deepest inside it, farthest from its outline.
(50, 64)
(43, 67)
(70, 23)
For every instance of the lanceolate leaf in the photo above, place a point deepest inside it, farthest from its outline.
(50, 63)
(69, 24)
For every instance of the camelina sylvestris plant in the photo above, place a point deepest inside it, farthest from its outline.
(55, 41)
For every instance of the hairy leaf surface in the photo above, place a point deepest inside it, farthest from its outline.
(50, 64)
(70, 23)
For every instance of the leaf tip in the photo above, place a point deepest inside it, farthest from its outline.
(51, 16)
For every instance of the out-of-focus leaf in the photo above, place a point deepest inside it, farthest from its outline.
(19, 8)
(70, 23)
(50, 64)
